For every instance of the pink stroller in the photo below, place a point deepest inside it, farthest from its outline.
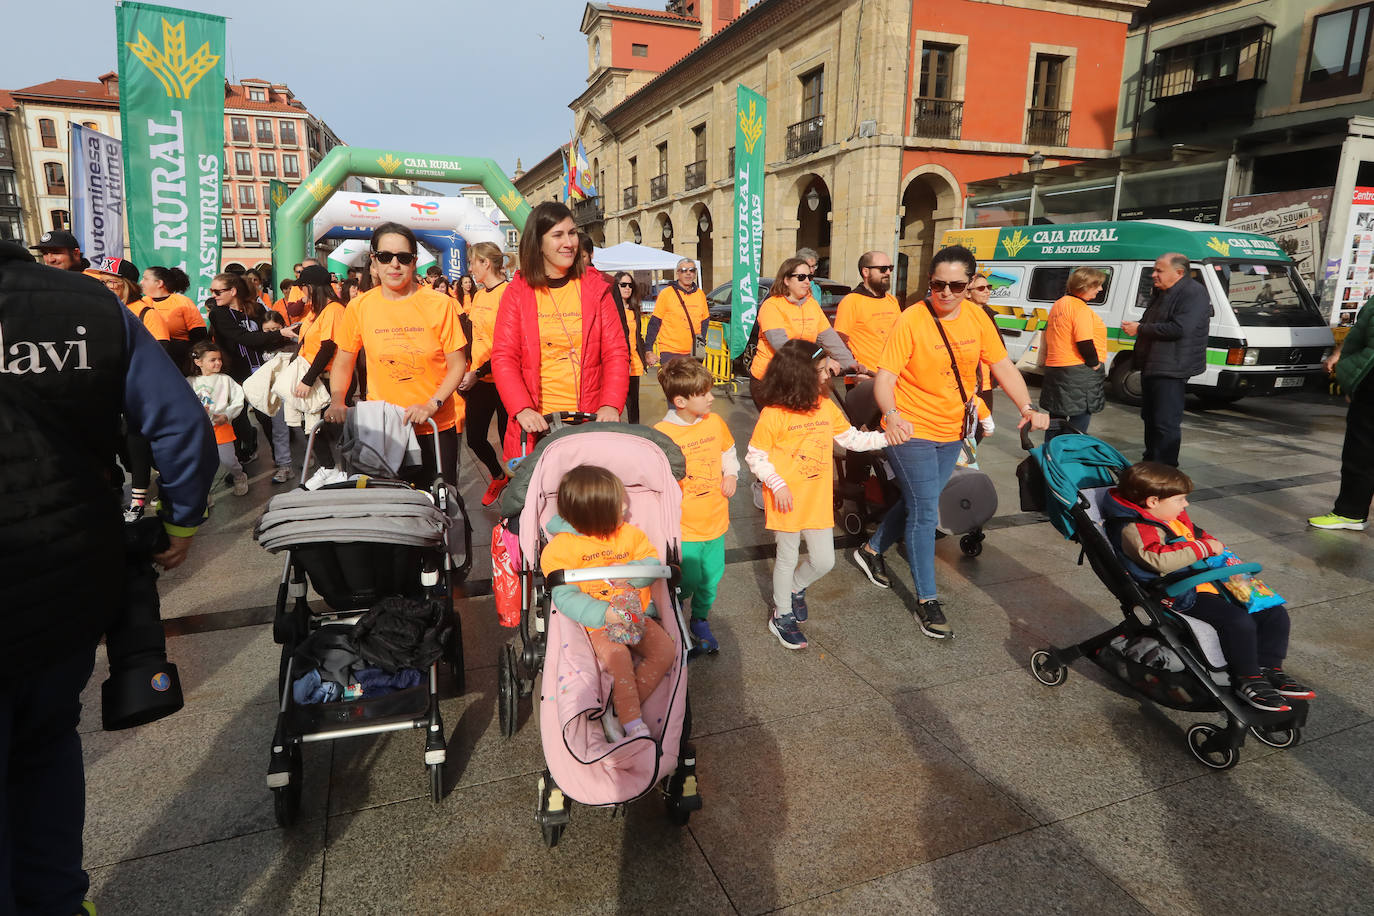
(584, 763)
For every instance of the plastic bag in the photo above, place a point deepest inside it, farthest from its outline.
(1247, 591)
(628, 629)
(505, 582)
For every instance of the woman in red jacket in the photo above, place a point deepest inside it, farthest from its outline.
(559, 341)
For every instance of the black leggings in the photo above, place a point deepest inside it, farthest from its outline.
(484, 403)
(632, 401)
(137, 457)
(423, 476)
(1248, 641)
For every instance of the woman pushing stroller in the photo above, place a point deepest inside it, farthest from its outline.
(1155, 536)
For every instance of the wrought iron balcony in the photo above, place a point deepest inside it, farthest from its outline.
(1047, 127)
(694, 175)
(805, 137)
(588, 211)
(658, 187)
(630, 198)
(941, 119)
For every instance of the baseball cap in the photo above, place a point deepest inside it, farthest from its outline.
(56, 238)
(314, 275)
(122, 267)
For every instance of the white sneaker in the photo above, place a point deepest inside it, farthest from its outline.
(241, 485)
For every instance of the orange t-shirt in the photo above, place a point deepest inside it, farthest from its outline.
(315, 331)
(152, 319)
(407, 341)
(705, 510)
(636, 364)
(482, 312)
(1178, 527)
(867, 320)
(805, 321)
(675, 335)
(927, 394)
(567, 550)
(1071, 320)
(560, 346)
(178, 313)
(800, 447)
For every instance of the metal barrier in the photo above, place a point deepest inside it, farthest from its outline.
(718, 357)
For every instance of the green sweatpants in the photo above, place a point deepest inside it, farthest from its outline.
(703, 565)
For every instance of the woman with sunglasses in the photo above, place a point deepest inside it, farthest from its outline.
(924, 408)
(979, 292)
(791, 313)
(236, 322)
(559, 341)
(414, 349)
(626, 295)
(487, 265)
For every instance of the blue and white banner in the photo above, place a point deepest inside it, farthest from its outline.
(97, 170)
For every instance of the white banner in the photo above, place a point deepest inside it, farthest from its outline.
(362, 209)
(97, 170)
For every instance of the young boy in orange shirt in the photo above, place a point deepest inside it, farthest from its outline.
(712, 472)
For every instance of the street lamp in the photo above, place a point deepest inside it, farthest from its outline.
(667, 232)
(813, 200)
(638, 236)
(703, 224)
(1036, 160)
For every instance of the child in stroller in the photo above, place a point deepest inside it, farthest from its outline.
(1149, 526)
(590, 530)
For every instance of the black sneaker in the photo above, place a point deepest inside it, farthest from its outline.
(873, 566)
(799, 609)
(1260, 694)
(786, 630)
(1286, 686)
(133, 513)
(931, 617)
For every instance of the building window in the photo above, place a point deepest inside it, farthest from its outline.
(61, 219)
(937, 70)
(1049, 71)
(250, 230)
(813, 86)
(288, 132)
(512, 238)
(639, 50)
(266, 196)
(1340, 49)
(264, 126)
(247, 196)
(257, 95)
(1227, 58)
(226, 229)
(10, 229)
(267, 224)
(267, 164)
(4, 138)
(1047, 123)
(243, 164)
(47, 130)
(238, 129)
(56, 178)
(290, 165)
(8, 197)
(90, 125)
(226, 196)
(936, 111)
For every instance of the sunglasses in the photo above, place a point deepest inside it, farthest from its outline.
(800, 276)
(885, 268)
(938, 286)
(384, 257)
(687, 270)
(626, 285)
(216, 292)
(978, 289)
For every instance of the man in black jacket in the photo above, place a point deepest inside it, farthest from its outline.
(1171, 348)
(73, 359)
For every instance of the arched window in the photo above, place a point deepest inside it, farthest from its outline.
(47, 130)
(61, 219)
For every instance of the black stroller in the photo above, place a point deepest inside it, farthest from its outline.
(1171, 658)
(359, 543)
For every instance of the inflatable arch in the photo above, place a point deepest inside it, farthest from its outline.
(289, 239)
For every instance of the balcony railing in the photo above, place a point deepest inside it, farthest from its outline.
(588, 211)
(805, 137)
(658, 187)
(942, 119)
(1047, 127)
(694, 175)
(630, 197)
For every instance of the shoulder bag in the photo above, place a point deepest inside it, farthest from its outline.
(698, 344)
(970, 424)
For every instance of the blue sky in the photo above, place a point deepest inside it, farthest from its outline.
(490, 78)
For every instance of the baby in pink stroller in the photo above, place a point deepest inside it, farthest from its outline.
(613, 713)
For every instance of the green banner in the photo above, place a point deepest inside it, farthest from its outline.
(277, 193)
(748, 257)
(171, 116)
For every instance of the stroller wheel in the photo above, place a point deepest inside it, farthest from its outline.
(1203, 739)
(436, 782)
(508, 691)
(552, 834)
(1281, 738)
(286, 800)
(972, 544)
(1048, 670)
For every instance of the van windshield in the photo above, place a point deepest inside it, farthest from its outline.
(1267, 295)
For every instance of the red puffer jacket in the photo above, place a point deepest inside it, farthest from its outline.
(515, 352)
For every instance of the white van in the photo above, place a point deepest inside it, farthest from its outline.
(1267, 333)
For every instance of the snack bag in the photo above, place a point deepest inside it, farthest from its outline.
(1249, 592)
(629, 629)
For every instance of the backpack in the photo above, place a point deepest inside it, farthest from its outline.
(1072, 463)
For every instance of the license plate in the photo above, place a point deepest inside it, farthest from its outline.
(1289, 381)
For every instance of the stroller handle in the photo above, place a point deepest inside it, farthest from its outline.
(605, 573)
(556, 420)
(310, 445)
(1055, 423)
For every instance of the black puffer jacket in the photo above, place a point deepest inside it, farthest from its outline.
(1172, 339)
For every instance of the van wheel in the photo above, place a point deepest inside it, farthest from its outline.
(1124, 381)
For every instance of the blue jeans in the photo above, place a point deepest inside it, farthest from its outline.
(922, 469)
(43, 805)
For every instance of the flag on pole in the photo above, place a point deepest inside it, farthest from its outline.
(567, 177)
(575, 166)
(585, 178)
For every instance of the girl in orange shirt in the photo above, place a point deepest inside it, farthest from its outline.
(589, 531)
(792, 453)
(487, 266)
